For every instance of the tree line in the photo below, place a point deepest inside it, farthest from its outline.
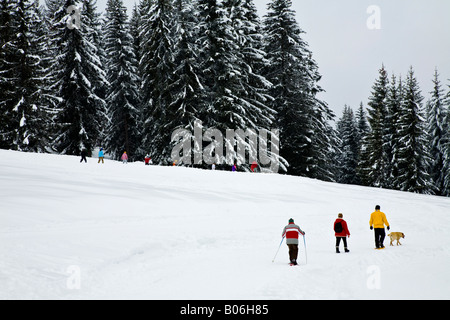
(73, 81)
(399, 142)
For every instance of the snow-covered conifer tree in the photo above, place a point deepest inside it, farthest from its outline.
(446, 145)
(123, 104)
(436, 132)
(134, 26)
(302, 119)
(187, 89)
(25, 117)
(413, 161)
(236, 95)
(347, 161)
(361, 120)
(373, 168)
(77, 72)
(247, 29)
(157, 72)
(391, 136)
(6, 85)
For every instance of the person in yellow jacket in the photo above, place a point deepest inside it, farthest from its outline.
(377, 222)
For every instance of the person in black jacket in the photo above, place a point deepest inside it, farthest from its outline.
(83, 155)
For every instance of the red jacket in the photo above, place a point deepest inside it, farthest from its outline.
(291, 232)
(345, 231)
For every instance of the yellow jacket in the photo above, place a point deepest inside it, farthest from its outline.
(378, 219)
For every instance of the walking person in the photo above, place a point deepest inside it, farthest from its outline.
(101, 156)
(83, 155)
(124, 157)
(291, 232)
(147, 160)
(341, 232)
(377, 222)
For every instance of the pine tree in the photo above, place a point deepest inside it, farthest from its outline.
(373, 167)
(123, 131)
(78, 73)
(236, 95)
(347, 161)
(324, 141)
(183, 110)
(361, 119)
(446, 145)
(413, 161)
(157, 70)
(95, 36)
(6, 85)
(26, 118)
(247, 30)
(302, 118)
(391, 141)
(253, 90)
(134, 25)
(436, 132)
(363, 130)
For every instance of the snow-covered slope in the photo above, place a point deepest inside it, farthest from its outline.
(71, 230)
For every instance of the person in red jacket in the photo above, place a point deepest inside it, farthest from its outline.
(147, 160)
(341, 232)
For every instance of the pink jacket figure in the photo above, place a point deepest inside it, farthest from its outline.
(124, 157)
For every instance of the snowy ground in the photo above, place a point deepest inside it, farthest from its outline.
(114, 231)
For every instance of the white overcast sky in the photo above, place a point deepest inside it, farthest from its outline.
(349, 54)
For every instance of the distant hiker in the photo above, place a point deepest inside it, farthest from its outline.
(291, 232)
(254, 166)
(147, 160)
(101, 156)
(83, 155)
(124, 157)
(213, 166)
(233, 168)
(341, 232)
(377, 221)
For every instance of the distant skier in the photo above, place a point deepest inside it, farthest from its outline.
(254, 167)
(377, 221)
(83, 155)
(291, 232)
(233, 168)
(147, 160)
(124, 157)
(341, 232)
(101, 156)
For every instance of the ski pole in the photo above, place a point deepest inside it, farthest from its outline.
(282, 239)
(306, 255)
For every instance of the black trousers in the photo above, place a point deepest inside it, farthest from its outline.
(293, 251)
(338, 241)
(380, 234)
